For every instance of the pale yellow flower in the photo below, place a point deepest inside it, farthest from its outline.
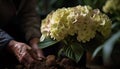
(82, 21)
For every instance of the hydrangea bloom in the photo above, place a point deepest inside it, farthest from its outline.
(81, 22)
(112, 6)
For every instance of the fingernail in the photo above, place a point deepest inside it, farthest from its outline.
(39, 58)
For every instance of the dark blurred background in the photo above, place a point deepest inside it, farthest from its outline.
(46, 6)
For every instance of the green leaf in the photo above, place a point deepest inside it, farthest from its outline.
(69, 53)
(108, 46)
(73, 51)
(60, 51)
(47, 42)
(98, 49)
(78, 51)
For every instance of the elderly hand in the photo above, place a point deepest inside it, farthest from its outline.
(24, 53)
(34, 44)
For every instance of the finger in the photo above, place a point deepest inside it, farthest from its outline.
(27, 60)
(36, 54)
(40, 56)
(33, 54)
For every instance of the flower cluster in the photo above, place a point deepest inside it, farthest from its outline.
(112, 6)
(82, 21)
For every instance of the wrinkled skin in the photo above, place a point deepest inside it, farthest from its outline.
(25, 54)
(34, 44)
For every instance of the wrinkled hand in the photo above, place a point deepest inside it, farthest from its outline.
(34, 44)
(24, 53)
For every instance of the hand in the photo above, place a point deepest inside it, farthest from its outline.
(34, 44)
(23, 52)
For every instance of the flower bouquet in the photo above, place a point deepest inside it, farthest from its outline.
(73, 26)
